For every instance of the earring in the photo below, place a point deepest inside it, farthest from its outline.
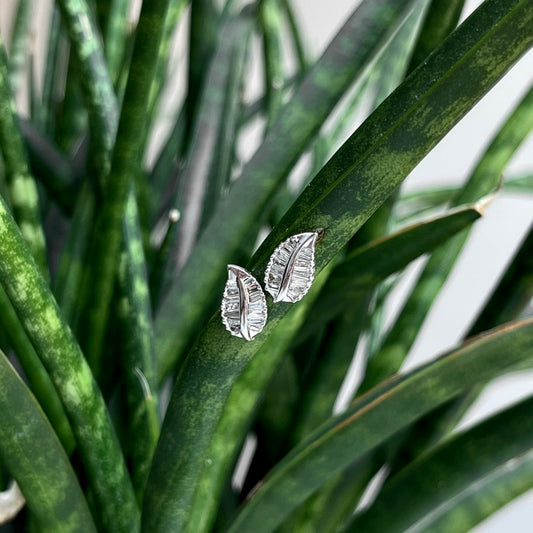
(244, 310)
(291, 268)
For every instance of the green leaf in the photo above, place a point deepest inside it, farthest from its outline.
(127, 159)
(98, 90)
(483, 180)
(38, 379)
(116, 36)
(490, 494)
(33, 454)
(238, 411)
(368, 265)
(137, 350)
(377, 416)
(270, 18)
(72, 269)
(61, 355)
(348, 190)
(204, 21)
(296, 36)
(440, 479)
(23, 196)
(415, 203)
(440, 20)
(191, 295)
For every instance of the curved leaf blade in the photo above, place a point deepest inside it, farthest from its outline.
(492, 492)
(62, 357)
(430, 102)
(441, 478)
(368, 265)
(377, 416)
(33, 454)
(191, 295)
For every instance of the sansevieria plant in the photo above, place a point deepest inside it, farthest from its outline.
(130, 400)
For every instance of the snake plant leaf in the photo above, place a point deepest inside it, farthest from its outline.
(33, 454)
(191, 295)
(440, 479)
(368, 265)
(291, 268)
(375, 417)
(347, 191)
(62, 357)
(413, 204)
(244, 310)
(491, 493)
(239, 409)
(126, 160)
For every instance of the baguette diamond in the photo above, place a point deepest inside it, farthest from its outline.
(244, 310)
(291, 268)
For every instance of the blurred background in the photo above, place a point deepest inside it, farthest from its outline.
(492, 241)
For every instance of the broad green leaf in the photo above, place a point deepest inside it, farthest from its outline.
(34, 371)
(368, 265)
(23, 195)
(439, 20)
(377, 416)
(192, 293)
(340, 200)
(238, 411)
(489, 495)
(61, 355)
(440, 479)
(483, 180)
(34, 456)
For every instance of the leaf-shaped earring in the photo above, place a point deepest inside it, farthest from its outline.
(244, 310)
(291, 268)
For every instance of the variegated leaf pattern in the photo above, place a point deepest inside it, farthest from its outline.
(244, 310)
(291, 268)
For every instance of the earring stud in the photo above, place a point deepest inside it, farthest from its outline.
(243, 309)
(291, 268)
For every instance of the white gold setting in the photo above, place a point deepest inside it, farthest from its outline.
(244, 310)
(291, 268)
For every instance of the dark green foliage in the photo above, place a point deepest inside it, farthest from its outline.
(124, 402)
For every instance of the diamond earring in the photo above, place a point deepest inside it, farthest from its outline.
(291, 268)
(244, 310)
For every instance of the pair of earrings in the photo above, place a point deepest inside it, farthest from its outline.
(288, 277)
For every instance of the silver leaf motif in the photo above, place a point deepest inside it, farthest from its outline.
(244, 310)
(291, 268)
